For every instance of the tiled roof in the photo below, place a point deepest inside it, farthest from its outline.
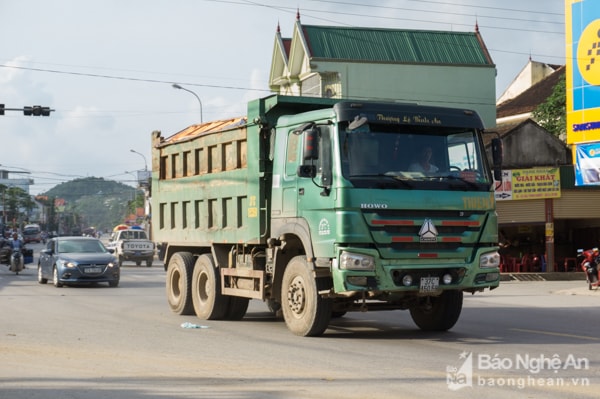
(528, 101)
(394, 45)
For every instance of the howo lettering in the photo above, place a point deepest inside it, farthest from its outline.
(315, 206)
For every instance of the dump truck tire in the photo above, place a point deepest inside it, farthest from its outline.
(439, 313)
(304, 311)
(209, 303)
(179, 282)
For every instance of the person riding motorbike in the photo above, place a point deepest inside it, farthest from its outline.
(17, 244)
(589, 264)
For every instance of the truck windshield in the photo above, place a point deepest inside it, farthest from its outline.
(415, 157)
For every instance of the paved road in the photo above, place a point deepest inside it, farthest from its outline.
(99, 342)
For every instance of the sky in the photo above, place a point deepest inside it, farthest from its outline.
(106, 67)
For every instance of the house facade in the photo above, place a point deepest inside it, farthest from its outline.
(439, 68)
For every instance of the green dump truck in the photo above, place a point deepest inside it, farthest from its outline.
(319, 207)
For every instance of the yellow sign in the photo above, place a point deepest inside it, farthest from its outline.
(549, 229)
(582, 33)
(521, 184)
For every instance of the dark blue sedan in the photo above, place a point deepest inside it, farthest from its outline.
(77, 260)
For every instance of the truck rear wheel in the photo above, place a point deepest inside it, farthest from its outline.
(438, 313)
(304, 311)
(179, 282)
(208, 301)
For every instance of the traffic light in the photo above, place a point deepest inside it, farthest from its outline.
(36, 110)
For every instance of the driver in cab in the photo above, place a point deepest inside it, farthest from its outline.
(423, 164)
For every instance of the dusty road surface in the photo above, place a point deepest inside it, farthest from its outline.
(525, 339)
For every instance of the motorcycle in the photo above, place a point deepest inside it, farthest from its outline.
(17, 262)
(589, 261)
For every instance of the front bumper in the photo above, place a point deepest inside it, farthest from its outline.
(413, 276)
(76, 276)
(137, 255)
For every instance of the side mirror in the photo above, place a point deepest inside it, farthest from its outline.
(497, 156)
(307, 171)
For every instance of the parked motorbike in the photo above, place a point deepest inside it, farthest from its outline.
(17, 262)
(589, 261)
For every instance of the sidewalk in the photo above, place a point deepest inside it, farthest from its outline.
(549, 276)
(580, 289)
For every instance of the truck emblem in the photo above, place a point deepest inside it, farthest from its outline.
(428, 232)
(324, 228)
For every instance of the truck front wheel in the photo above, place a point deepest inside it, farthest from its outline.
(208, 301)
(438, 313)
(304, 311)
(179, 281)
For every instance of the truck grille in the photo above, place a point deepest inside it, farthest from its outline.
(438, 233)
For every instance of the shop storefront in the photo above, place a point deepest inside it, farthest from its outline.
(543, 219)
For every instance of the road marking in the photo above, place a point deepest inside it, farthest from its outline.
(556, 334)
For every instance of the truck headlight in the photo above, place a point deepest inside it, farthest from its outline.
(489, 260)
(351, 261)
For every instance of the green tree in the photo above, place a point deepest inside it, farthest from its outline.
(552, 113)
(16, 203)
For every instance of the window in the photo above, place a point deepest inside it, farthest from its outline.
(292, 154)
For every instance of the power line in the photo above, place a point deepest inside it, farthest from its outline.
(448, 13)
(292, 10)
(95, 75)
(304, 13)
(537, 11)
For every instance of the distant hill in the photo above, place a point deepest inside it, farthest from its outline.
(96, 202)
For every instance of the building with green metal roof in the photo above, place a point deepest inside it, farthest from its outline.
(416, 66)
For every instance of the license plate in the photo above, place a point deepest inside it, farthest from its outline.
(93, 270)
(429, 284)
(137, 253)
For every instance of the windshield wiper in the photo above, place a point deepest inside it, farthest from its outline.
(469, 183)
(395, 178)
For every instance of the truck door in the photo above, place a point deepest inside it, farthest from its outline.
(285, 184)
